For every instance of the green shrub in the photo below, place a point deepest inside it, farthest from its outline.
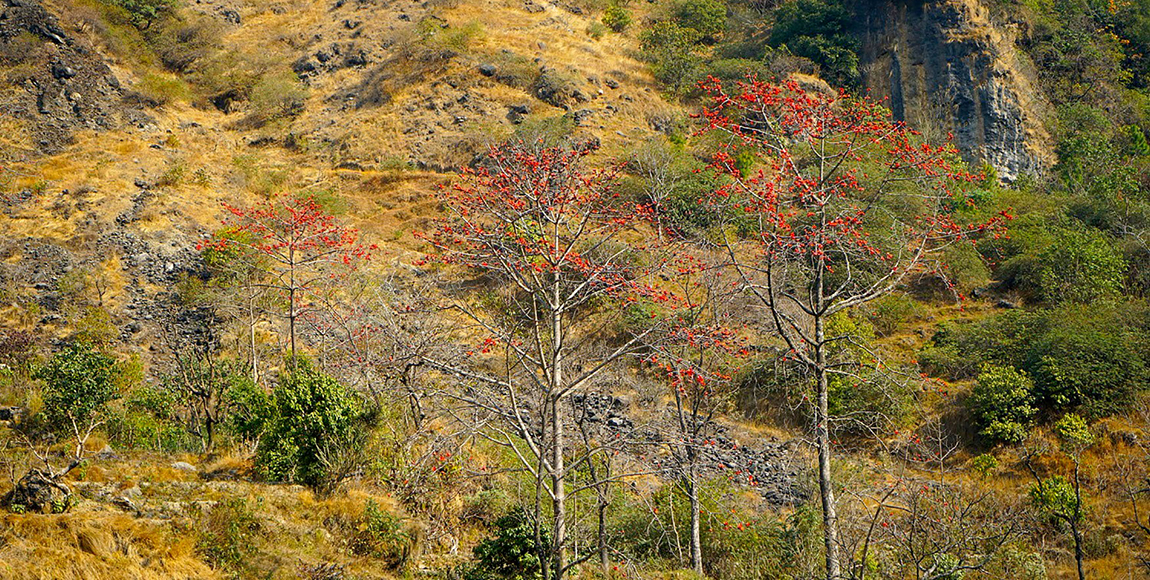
(380, 534)
(617, 18)
(1079, 267)
(672, 53)
(1086, 358)
(1092, 369)
(317, 426)
(707, 17)
(252, 409)
(228, 532)
(1003, 404)
(145, 12)
(278, 94)
(596, 30)
(79, 382)
(510, 554)
(819, 30)
(892, 311)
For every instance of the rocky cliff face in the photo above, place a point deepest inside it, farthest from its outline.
(946, 67)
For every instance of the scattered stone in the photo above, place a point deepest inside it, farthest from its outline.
(487, 70)
(184, 466)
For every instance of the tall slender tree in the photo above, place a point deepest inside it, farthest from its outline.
(562, 271)
(844, 206)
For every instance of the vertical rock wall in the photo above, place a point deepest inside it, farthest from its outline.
(947, 68)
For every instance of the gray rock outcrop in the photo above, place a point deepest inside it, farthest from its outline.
(946, 67)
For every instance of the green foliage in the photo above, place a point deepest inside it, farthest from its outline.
(672, 53)
(617, 18)
(227, 536)
(145, 12)
(1055, 496)
(315, 420)
(1079, 267)
(251, 409)
(545, 131)
(1092, 369)
(1085, 358)
(819, 30)
(164, 88)
(984, 464)
(707, 17)
(79, 382)
(510, 554)
(148, 420)
(278, 94)
(893, 311)
(1003, 404)
(1073, 432)
(380, 534)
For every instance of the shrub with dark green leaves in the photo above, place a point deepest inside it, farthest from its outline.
(672, 52)
(819, 30)
(1086, 358)
(317, 425)
(79, 382)
(144, 13)
(1003, 404)
(1093, 369)
(1079, 267)
(511, 553)
(707, 17)
(227, 536)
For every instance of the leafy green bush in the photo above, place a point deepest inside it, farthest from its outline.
(510, 554)
(1003, 404)
(164, 88)
(1086, 358)
(317, 426)
(227, 536)
(617, 18)
(1089, 368)
(892, 311)
(380, 534)
(707, 17)
(145, 12)
(672, 53)
(79, 382)
(1079, 267)
(278, 94)
(819, 30)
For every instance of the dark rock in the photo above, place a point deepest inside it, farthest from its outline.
(62, 72)
(1007, 304)
(38, 492)
(487, 70)
(230, 16)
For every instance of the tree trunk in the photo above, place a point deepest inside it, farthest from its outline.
(604, 560)
(822, 441)
(696, 538)
(559, 501)
(1074, 524)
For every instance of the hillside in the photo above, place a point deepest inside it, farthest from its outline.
(519, 289)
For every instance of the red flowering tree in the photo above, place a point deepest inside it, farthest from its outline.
(565, 292)
(698, 356)
(300, 246)
(845, 206)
